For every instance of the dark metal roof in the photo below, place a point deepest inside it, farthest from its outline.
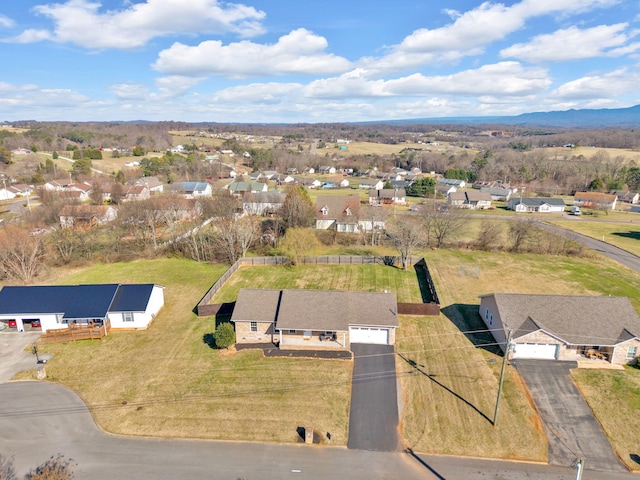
(74, 301)
(132, 298)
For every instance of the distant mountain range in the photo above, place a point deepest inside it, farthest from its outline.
(586, 118)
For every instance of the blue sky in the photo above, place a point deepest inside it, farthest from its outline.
(330, 61)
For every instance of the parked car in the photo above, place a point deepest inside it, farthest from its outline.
(35, 323)
(12, 324)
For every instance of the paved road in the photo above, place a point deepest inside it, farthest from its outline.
(619, 255)
(13, 356)
(571, 428)
(373, 419)
(39, 419)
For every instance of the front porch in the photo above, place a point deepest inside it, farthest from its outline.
(311, 340)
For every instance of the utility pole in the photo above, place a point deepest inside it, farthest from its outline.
(507, 350)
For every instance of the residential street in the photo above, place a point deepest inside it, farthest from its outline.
(54, 420)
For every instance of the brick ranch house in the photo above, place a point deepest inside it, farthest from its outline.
(314, 319)
(564, 327)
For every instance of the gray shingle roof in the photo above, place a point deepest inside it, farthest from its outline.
(318, 310)
(577, 320)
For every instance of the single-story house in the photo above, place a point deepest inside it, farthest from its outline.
(445, 189)
(310, 182)
(262, 203)
(537, 205)
(339, 213)
(324, 169)
(126, 306)
(21, 189)
(371, 184)
(7, 194)
(387, 196)
(56, 185)
(471, 199)
(192, 189)
(626, 196)
(311, 319)
(241, 188)
(152, 183)
(86, 216)
(499, 194)
(564, 327)
(595, 200)
(452, 181)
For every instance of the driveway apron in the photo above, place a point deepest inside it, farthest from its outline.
(373, 420)
(571, 428)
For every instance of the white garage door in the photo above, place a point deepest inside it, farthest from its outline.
(369, 335)
(536, 350)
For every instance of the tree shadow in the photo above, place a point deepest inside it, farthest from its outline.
(635, 235)
(419, 369)
(635, 458)
(469, 322)
(209, 340)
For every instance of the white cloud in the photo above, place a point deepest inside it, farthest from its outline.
(471, 32)
(6, 22)
(572, 44)
(299, 52)
(609, 85)
(28, 97)
(126, 91)
(259, 93)
(175, 85)
(81, 22)
(504, 78)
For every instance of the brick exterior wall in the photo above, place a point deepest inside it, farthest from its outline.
(620, 353)
(245, 335)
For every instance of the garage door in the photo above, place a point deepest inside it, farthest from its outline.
(536, 350)
(379, 336)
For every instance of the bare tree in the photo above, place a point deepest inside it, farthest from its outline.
(22, 256)
(407, 235)
(64, 241)
(489, 236)
(234, 237)
(56, 468)
(371, 224)
(521, 232)
(441, 224)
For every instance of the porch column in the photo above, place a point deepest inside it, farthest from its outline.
(280, 334)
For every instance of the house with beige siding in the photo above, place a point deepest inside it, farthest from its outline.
(564, 327)
(314, 319)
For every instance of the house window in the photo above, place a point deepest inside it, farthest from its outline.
(486, 314)
(127, 316)
(254, 326)
(632, 352)
(491, 320)
(291, 331)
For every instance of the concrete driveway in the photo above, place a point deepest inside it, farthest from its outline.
(374, 419)
(13, 357)
(572, 430)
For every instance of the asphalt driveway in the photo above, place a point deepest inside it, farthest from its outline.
(572, 430)
(374, 419)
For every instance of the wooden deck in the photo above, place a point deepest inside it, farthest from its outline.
(77, 332)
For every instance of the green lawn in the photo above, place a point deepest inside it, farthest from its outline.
(362, 278)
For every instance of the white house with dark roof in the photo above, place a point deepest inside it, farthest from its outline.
(313, 319)
(126, 306)
(537, 205)
(192, 189)
(564, 327)
(339, 213)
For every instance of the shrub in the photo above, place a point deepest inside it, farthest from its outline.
(224, 335)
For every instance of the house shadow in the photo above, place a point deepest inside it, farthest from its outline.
(468, 321)
(421, 370)
(635, 457)
(635, 235)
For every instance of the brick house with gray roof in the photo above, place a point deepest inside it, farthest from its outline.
(314, 319)
(564, 327)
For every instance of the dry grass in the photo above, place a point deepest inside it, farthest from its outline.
(450, 389)
(621, 230)
(167, 380)
(614, 397)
